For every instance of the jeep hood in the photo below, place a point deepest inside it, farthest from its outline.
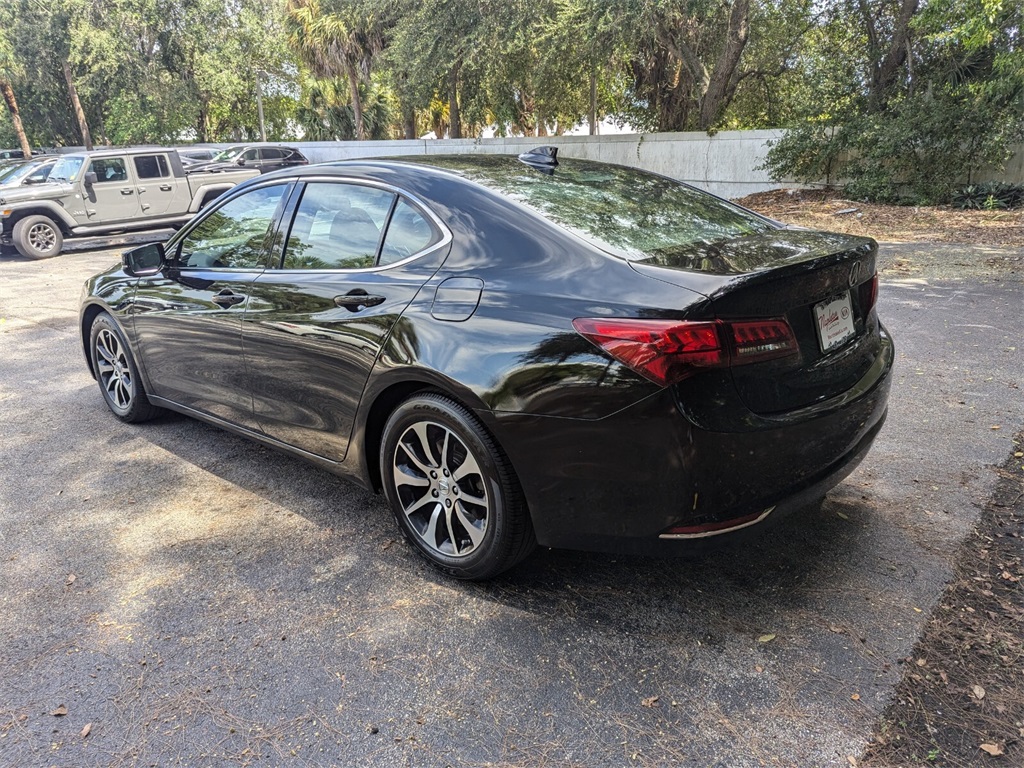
(52, 190)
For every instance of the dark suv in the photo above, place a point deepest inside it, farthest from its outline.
(261, 157)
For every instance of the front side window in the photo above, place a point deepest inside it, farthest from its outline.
(109, 169)
(250, 154)
(337, 226)
(235, 236)
(151, 167)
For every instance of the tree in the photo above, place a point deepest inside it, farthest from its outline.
(339, 38)
(8, 69)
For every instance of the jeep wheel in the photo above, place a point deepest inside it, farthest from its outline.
(37, 237)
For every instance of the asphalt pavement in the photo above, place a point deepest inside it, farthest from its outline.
(174, 595)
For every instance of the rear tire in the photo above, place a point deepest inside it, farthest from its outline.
(452, 489)
(117, 374)
(37, 237)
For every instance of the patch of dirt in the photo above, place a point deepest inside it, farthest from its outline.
(823, 209)
(961, 701)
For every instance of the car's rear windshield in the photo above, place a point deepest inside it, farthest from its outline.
(632, 214)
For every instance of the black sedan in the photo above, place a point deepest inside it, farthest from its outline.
(262, 157)
(516, 351)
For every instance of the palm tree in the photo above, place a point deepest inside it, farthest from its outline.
(339, 41)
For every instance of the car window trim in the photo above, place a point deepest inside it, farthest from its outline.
(431, 217)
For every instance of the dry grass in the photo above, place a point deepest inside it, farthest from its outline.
(821, 209)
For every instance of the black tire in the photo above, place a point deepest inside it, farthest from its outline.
(37, 237)
(436, 456)
(117, 374)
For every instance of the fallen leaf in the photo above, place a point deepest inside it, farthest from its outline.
(759, 669)
(993, 749)
(70, 579)
(851, 760)
(650, 701)
(856, 697)
(844, 517)
(766, 638)
(86, 730)
(995, 426)
(60, 711)
(978, 691)
(922, 662)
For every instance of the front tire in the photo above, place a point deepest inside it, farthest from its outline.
(117, 374)
(452, 489)
(37, 237)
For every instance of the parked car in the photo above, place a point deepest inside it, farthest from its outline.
(264, 158)
(515, 351)
(105, 192)
(192, 155)
(28, 172)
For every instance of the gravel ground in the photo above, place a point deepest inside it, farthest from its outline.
(189, 598)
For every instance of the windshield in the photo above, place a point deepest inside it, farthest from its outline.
(631, 214)
(11, 172)
(67, 168)
(15, 175)
(227, 155)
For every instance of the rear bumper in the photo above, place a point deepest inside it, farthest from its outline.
(618, 483)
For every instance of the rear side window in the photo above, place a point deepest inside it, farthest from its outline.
(408, 233)
(151, 166)
(109, 169)
(270, 153)
(337, 226)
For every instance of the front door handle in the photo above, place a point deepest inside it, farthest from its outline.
(357, 300)
(227, 299)
(166, 187)
(128, 191)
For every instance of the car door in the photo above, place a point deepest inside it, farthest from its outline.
(154, 183)
(188, 318)
(270, 159)
(112, 197)
(315, 326)
(251, 159)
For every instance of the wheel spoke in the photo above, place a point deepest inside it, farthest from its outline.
(476, 535)
(430, 535)
(419, 504)
(404, 477)
(451, 532)
(411, 453)
(467, 468)
(420, 428)
(469, 498)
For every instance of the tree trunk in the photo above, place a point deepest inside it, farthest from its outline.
(409, 123)
(454, 119)
(592, 115)
(884, 69)
(12, 105)
(79, 112)
(718, 93)
(357, 104)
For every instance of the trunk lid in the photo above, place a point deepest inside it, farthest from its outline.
(807, 278)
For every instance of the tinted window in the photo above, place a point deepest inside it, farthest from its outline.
(408, 233)
(270, 154)
(151, 166)
(632, 214)
(236, 234)
(251, 154)
(337, 226)
(109, 169)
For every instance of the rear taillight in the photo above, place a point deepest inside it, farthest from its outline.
(869, 295)
(668, 351)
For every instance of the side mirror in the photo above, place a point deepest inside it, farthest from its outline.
(90, 178)
(240, 161)
(29, 181)
(144, 261)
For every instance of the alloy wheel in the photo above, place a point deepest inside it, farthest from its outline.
(42, 237)
(441, 489)
(113, 369)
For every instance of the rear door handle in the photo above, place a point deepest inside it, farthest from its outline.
(227, 299)
(357, 300)
(166, 187)
(128, 191)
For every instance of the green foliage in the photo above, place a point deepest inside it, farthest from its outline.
(924, 130)
(989, 196)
